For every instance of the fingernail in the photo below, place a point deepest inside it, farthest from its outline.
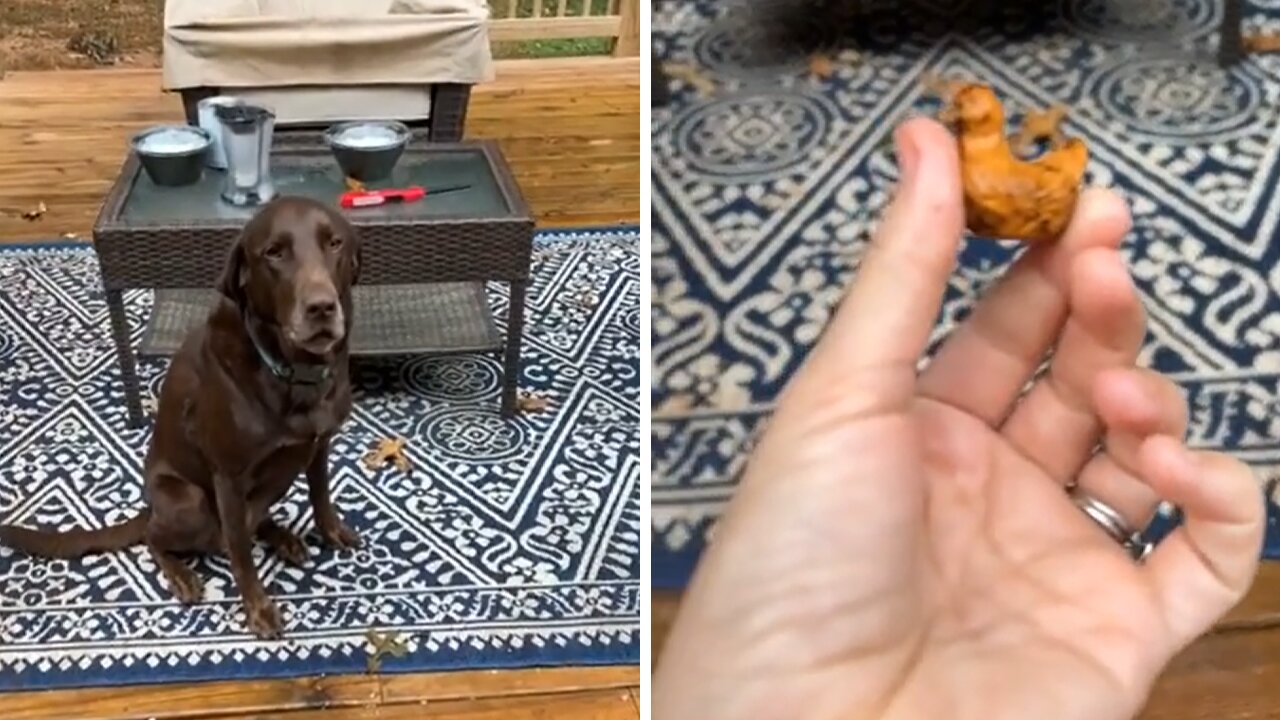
(908, 156)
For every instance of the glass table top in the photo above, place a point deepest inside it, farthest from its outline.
(313, 173)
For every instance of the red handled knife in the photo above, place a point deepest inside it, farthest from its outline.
(374, 198)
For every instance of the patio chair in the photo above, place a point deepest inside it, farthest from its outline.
(316, 62)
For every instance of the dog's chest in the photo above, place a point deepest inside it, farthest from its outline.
(315, 423)
(308, 418)
(279, 469)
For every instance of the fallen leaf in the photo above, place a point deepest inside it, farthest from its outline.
(691, 75)
(587, 300)
(1261, 42)
(387, 450)
(528, 402)
(36, 214)
(822, 65)
(384, 644)
(354, 185)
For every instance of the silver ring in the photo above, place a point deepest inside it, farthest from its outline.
(1113, 524)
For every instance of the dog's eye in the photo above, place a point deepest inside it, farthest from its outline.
(335, 242)
(275, 252)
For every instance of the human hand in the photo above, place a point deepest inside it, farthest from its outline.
(902, 544)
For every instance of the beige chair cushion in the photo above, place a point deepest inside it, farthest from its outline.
(312, 104)
(278, 43)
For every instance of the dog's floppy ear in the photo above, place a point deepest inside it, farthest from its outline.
(234, 275)
(355, 248)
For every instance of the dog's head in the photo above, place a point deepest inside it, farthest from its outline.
(975, 109)
(293, 268)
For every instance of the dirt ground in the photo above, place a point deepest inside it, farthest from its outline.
(77, 34)
(63, 34)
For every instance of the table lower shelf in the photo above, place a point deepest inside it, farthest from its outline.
(435, 319)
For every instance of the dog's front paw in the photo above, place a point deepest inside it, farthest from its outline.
(288, 546)
(186, 586)
(291, 549)
(263, 619)
(340, 535)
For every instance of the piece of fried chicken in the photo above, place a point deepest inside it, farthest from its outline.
(1006, 196)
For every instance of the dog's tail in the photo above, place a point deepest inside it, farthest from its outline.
(71, 544)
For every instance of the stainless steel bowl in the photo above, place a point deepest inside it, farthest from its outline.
(172, 155)
(368, 150)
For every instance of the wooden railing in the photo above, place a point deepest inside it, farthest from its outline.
(515, 20)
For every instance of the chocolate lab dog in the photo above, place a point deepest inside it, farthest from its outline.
(251, 401)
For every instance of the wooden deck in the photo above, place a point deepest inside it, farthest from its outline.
(570, 129)
(1231, 674)
(570, 694)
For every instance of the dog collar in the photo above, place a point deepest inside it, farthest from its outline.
(292, 374)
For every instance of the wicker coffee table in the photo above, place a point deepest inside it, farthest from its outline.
(425, 264)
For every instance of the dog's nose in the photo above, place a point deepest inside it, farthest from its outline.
(321, 308)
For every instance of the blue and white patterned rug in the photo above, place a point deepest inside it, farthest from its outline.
(512, 543)
(765, 189)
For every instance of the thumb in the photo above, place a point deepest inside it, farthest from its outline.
(869, 351)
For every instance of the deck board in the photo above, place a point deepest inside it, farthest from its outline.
(570, 129)
(340, 696)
